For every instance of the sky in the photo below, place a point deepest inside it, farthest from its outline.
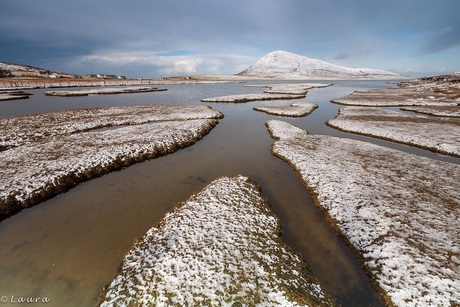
(160, 38)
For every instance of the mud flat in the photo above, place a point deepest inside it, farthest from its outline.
(241, 98)
(12, 95)
(39, 169)
(275, 92)
(431, 91)
(294, 110)
(398, 211)
(441, 111)
(22, 130)
(220, 247)
(290, 88)
(435, 134)
(104, 91)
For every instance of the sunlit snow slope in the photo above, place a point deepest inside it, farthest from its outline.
(286, 65)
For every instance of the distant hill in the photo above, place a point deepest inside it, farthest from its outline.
(19, 70)
(286, 65)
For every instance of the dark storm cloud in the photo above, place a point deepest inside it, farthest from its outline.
(446, 39)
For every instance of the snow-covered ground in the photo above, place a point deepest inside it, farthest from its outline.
(12, 95)
(275, 92)
(401, 212)
(240, 98)
(443, 111)
(221, 247)
(294, 110)
(432, 91)
(290, 88)
(436, 134)
(55, 162)
(104, 91)
(395, 97)
(26, 129)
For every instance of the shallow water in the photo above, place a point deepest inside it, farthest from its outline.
(66, 249)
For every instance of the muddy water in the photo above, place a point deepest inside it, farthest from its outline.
(66, 249)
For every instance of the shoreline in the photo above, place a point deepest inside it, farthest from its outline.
(20, 83)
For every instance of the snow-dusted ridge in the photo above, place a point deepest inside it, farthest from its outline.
(286, 65)
(44, 164)
(400, 212)
(222, 247)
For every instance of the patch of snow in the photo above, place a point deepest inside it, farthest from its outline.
(443, 111)
(12, 95)
(239, 98)
(400, 211)
(44, 165)
(290, 88)
(221, 247)
(294, 110)
(104, 91)
(440, 135)
(276, 92)
(26, 129)
(433, 91)
(282, 130)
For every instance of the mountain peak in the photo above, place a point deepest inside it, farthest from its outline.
(282, 64)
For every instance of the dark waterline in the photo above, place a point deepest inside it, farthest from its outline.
(67, 248)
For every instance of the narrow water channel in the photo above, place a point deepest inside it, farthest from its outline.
(66, 249)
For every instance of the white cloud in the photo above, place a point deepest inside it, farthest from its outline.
(167, 65)
(156, 64)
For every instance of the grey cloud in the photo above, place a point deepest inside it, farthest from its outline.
(446, 39)
(342, 55)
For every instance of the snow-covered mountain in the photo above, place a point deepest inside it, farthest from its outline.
(286, 65)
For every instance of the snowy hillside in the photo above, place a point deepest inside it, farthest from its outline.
(19, 70)
(286, 65)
